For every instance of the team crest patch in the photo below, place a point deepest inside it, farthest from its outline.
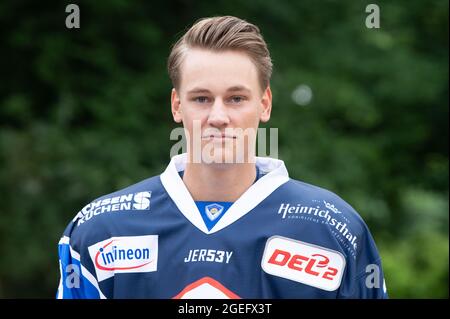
(213, 211)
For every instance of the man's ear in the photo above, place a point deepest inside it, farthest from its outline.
(176, 106)
(266, 104)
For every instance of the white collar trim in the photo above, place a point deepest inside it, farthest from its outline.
(276, 176)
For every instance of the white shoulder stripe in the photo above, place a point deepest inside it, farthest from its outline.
(64, 240)
(60, 287)
(92, 280)
(74, 254)
(86, 273)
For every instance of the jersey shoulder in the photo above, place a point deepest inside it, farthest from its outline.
(94, 219)
(323, 199)
(342, 220)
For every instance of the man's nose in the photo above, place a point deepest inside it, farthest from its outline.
(218, 115)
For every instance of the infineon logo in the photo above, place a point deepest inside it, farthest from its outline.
(132, 201)
(124, 255)
(303, 262)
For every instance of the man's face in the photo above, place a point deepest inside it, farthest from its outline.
(218, 100)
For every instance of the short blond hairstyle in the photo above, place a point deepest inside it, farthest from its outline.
(221, 34)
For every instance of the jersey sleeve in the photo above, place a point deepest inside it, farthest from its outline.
(370, 284)
(364, 278)
(76, 282)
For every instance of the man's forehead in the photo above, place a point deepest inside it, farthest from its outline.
(227, 70)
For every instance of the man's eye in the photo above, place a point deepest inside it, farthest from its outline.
(201, 99)
(236, 99)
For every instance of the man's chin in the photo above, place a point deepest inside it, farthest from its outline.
(224, 156)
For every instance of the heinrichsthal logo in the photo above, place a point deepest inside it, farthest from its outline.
(329, 215)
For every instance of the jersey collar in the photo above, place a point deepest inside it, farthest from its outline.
(276, 176)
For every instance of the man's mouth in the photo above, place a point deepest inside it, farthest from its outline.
(218, 137)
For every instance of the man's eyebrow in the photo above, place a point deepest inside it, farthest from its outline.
(238, 88)
(198, 90)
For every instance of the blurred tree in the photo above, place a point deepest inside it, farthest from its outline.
(84, 112)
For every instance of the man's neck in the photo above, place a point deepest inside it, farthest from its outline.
(218, 182)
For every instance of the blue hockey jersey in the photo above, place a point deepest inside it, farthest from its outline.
(281, 239)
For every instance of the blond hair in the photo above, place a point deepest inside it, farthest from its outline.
(220, 34)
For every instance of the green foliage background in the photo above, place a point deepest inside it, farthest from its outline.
(84, 112)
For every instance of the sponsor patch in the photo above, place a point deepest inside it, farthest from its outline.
(303, 262)
(208, 255)
(128, 202)
(327, 214)
(124, 255)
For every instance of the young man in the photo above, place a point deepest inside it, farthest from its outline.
(211, 227)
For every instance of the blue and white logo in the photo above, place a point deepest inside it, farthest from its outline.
(213, 211)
